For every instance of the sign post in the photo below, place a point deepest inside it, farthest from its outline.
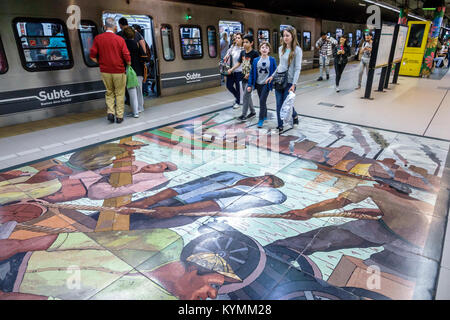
(402, 34)
(381, 51)
(391, 56)
(384, 53)
(372, 63)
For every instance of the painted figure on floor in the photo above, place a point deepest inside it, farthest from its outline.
(86, 174)
(214, 265)
(223, 191)
(402, 229)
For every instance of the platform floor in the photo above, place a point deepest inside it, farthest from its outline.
(350, 204)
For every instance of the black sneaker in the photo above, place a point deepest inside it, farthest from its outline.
(242, 118)
(280, 130)
(328, 77)
(320, 79)
(110, 117)
(119, 120)
(251, 115)
(296, 120)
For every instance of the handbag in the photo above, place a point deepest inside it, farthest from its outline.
(144, 56)
(224, 66)
(280, 80)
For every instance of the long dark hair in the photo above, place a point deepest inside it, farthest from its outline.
(294, 43)
(346, 40)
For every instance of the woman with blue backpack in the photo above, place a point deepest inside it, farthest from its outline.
(262, 68)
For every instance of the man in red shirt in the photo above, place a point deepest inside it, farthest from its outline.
(111, 53)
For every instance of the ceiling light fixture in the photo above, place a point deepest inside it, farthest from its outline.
(393, 9)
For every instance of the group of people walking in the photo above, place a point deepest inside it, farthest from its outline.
(340, 52)
(117, 54)
(250, 70)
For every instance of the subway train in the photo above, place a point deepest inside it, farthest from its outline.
(45, 70)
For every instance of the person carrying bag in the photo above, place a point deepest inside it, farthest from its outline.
(136, 73)
(286, 75)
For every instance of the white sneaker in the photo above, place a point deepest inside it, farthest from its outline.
(337, 89)
(236, 106)
(136, 115)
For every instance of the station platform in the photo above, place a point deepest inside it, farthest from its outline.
(185, 202)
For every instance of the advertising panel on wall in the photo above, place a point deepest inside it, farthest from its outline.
(385, 45)
(401, 43)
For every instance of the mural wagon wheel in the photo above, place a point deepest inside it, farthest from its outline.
(313, 289)
(21, 212)
(290, 256)
(243, 257)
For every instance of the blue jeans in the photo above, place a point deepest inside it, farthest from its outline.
(280, 96)
(234, 85)
(263, 93)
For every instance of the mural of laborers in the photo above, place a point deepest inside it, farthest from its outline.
(131, 222)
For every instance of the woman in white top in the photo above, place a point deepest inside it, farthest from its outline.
(234, 77)
(291, 56)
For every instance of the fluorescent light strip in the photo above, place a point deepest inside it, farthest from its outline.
(394, 9)
(416, 17)
(383, 5)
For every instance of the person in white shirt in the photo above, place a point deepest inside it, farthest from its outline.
(234, 77)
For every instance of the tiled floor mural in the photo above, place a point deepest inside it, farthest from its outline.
(210, 208)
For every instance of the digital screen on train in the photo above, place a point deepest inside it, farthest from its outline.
(191, 42)
(416, 35)
(43, 44)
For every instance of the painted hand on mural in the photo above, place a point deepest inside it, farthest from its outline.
(300, 214)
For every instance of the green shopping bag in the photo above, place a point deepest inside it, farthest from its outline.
(132, 79)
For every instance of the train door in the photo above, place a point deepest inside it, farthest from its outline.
(144, 25)
(230, 28)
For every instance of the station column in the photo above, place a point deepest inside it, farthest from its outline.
(403, 16)
(427, 64)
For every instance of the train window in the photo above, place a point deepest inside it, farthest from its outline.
(263, 35)
(43, 44)
(212, 42)
(350, 39)
(284, 26)
(339, 33)
(167, 42)
(3, 61)
(230, 28)
(191, 42)
(306, 41)
(275, 39)
(87, 33)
